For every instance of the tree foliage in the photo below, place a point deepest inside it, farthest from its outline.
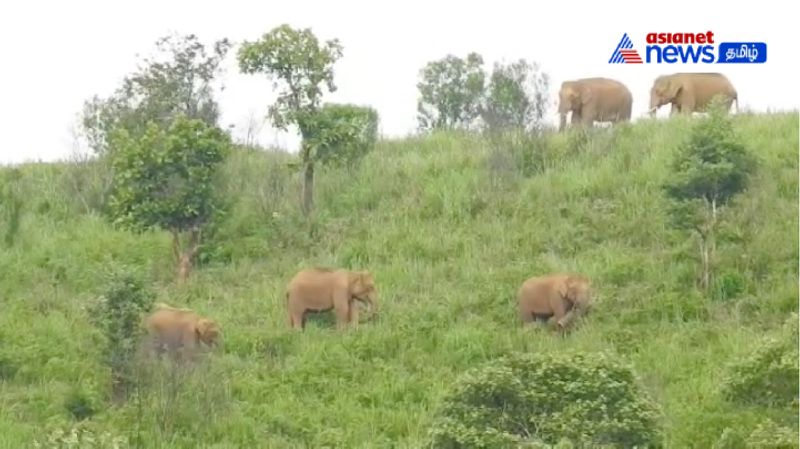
(707, 172)
(118, 315)
(451, 90)
(343, 133)
(164, 179)
(516, 96)
(177, 80)
(587, 400)
(300, 66)
(769, 375)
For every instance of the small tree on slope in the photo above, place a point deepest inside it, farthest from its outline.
(710, 169)
(165, 180)
(302, 66)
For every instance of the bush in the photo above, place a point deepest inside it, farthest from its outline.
(118, 315)
(526, 399)
(769, 376)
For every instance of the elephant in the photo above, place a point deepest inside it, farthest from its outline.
(594, 100)
(322, 289)
(691, 92)
(180, 331)
(560, 296)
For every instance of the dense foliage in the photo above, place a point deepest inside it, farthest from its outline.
(177, 80)
(451, 91)
(588, 400)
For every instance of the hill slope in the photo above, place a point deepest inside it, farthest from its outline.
(450, 225)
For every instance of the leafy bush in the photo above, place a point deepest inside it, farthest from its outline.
(584, 399)
(118, 315)
(343, 133)
(769, 376)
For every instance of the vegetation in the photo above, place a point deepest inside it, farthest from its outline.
(584, 400)
(450, 225)
(516, 97)
(302, 67)
(451, 91)
(164, 179)
(708, 171)
(176, 80)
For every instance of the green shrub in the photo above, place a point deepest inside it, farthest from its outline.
(768, 376)
(585, 399)
(118, 315)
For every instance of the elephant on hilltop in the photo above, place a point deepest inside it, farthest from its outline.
(691, 92)
(594, 100)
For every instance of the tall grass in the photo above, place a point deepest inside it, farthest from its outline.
(450, 225)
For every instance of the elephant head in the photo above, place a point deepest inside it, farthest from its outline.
(577, 291)
(362, 287)
(207, 331)
(569, 99)
(665, 89)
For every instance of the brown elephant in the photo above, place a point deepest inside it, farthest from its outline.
(691, 92)
(180, 331)
(323, 289)
(560, 296)
(594, 100)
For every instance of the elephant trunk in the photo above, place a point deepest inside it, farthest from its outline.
(654, 104)
(562, 123)
(372, 299)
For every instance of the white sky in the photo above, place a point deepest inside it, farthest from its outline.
(56, 54)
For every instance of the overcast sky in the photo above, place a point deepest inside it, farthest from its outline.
(56, 54)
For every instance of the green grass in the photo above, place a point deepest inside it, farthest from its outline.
(450, 224)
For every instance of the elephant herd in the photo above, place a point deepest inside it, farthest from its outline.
(559, 298)
(605, 100)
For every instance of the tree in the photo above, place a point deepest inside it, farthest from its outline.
(164, 179)
(451, 90)
(301, 67)
(710, 169)
(516, 96)
(343, 133)
(178, 79)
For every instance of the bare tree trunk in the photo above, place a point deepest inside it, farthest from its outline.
(308, 187)
(183, 258)
(704, 264)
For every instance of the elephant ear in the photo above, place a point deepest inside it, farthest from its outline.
(585, 94)
(672, 88)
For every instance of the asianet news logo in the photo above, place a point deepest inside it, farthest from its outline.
(688, 48)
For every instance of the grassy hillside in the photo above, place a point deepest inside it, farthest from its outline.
(450, 225)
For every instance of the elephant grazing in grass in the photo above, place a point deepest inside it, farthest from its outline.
(561, 296)
(594, 100)
(322, 289)
(180, 331)
(691, 92)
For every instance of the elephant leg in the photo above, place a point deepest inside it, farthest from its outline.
(296, 320)
(525, 316)
(559, 311)
(341, 308)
